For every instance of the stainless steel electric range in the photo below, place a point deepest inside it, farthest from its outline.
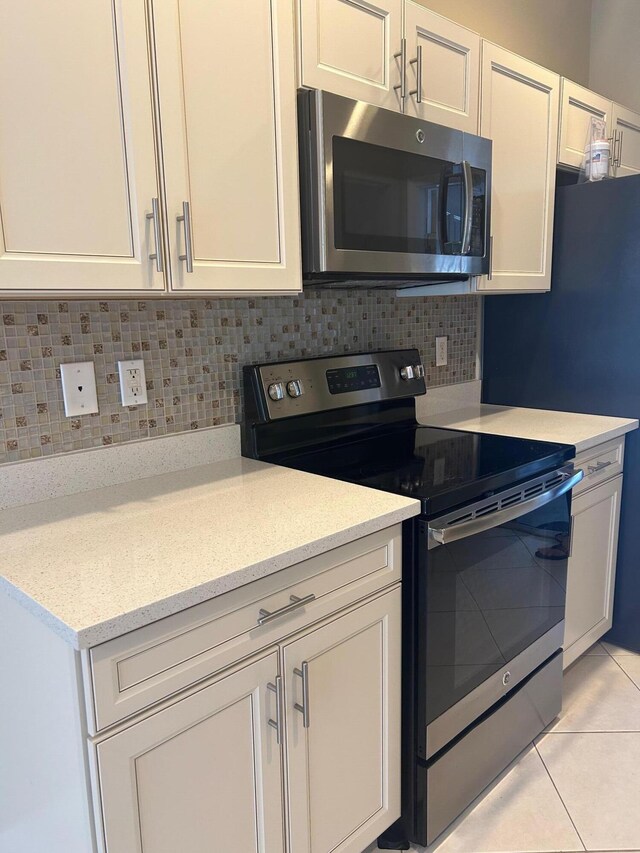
(484, 564)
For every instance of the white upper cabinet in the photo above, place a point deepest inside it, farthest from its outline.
(626, 131)
(226, 83)
(443, 69)
(77, 154)
(352, 48)
(577, 107)
(519, 112)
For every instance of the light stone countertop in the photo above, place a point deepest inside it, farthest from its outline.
(583, 431)
(96, 565)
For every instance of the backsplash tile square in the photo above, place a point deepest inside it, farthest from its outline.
(193, 352)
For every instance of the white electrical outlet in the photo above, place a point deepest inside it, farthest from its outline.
(79, 388)
(133, 385)
(441, 351)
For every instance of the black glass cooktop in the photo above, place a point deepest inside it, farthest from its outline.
(442, 468)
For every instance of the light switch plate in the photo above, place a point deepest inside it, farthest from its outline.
(133, 385)
(79, 388)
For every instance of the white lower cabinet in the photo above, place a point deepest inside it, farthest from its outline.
(343, 729)
(292, 744)
(203, 774)
(591, 568)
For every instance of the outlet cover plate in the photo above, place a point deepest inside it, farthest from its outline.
(133, 384)
(79, 388)
(442, 356)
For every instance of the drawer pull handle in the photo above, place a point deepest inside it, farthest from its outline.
(595, 469)
(304, 708)
(265, 616)
(277, 723)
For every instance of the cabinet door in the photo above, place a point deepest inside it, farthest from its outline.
(226, 83)
(77, 155)
(343, 766)
(349, 46)
(591, 569)
(203, 774)
(449, 69)
(519, 112)
(577, 107)
(627, 124)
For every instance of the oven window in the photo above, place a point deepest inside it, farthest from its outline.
(386, 200)
(489, 597)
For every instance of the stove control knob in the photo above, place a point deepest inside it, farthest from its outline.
(406, 372)
(295, 388)
(276, 391)
(418, 371)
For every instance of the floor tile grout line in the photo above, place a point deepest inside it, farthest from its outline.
(591, 732)
(619, 665)
(535, 745)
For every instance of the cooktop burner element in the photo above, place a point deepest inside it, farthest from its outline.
(440, 467)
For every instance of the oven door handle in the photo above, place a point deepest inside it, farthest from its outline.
(445, 535)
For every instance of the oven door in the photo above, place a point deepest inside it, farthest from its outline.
(390, 194)
(495, 599)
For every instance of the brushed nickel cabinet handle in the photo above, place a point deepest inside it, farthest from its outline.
(155, 215)
(278, 722)
(188, 247)
(402, 56)
(595, 469)
(619, 163)
(303, 673)
(418, 63)
(265, 616)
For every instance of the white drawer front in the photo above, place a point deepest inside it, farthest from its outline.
(145, 666)
(600, 464)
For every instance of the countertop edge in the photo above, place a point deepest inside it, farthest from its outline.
(94, 635)
(610, 435)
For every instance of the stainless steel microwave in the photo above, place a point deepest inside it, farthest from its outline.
(389, 198)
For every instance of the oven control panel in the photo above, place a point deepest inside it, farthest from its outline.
(285, 389)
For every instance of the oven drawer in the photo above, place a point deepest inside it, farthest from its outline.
(600, 464)
(145, 666)
(457, 777)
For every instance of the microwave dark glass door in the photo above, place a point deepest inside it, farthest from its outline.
(391, 200)
(489, 597)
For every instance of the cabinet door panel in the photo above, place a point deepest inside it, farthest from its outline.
(343, 770)
(577, 106)
(591, 568)
(77, 156)
(520, 102)
(227, 104)
(203, 774)
(348, 46)
(450, 69)
(627, 123)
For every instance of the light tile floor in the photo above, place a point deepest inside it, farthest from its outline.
(578, 786)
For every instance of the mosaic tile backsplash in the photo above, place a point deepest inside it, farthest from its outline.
(193, 351)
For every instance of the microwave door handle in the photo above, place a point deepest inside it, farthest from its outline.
(467, 176)
(446, 535)
(444, 209)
